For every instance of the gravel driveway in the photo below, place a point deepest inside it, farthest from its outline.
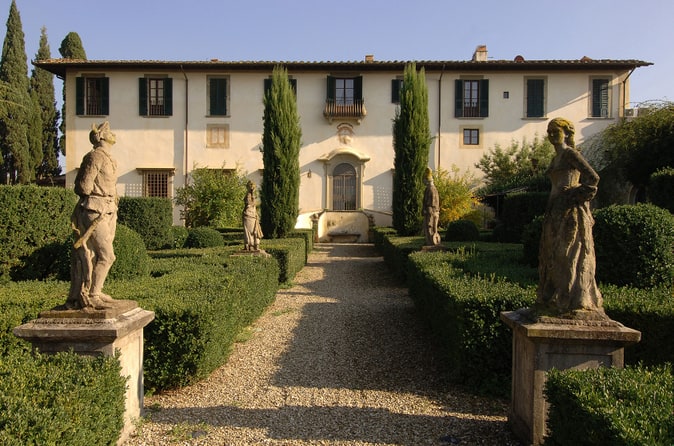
(340, 358)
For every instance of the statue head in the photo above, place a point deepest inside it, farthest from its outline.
(250, 185)
(566, 127)
(428, 175)
(101, 133)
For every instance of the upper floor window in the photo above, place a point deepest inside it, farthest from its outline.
(293, 85)
(396, 88)
(535, 98)
(344, 98)
(600, 98)
(92, 95)
(218, 96)
(471, 98)
(155, 96)
(471, 137)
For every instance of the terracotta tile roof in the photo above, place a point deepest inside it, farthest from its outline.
(59, 66)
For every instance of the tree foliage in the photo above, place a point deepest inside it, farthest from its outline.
(411, 143)
(213, 198)
(455, 190)
(281, 141)
(71, 47)
(16, 106)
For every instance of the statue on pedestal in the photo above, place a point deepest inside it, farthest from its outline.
(94, 221)
(567, 286)
(252, 233)
(431, 210)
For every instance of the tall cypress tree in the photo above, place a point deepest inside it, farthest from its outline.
(411, 144)
(15, 104)
(281, 140)
(42, 86)
(71, 48)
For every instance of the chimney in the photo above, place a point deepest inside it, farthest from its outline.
(480, 54)
(369, 58)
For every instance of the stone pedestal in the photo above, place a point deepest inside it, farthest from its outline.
(539, 346)
(98, 332)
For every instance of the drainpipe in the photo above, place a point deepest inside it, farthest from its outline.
(186, 142)
(440, 114)
(625, 90)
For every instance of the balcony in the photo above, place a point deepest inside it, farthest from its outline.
(336, 110)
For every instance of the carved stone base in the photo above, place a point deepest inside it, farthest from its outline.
(541, 345)
(96, 332)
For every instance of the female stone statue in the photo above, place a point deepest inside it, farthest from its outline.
(252, 233)
(566, 269)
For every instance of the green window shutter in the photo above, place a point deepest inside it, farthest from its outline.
(396, 85)
(105, 95)
(142, 96)
(168, 97)
(79, 96)
(535, 98)
(484, 98)
(218, 99)
(358, 88)
(600, 98)
(330, 94)
(458, 98)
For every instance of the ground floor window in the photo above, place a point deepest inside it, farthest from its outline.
(344, 188)
(157, 182)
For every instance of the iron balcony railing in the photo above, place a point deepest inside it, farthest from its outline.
(334, 109)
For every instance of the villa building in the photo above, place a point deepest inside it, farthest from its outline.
(171, 117)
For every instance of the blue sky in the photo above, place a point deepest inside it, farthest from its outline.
(347, 30)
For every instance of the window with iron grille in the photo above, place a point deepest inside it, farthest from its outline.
(535, 100)
(92, 96)
(600, 97)
(471, 98)
(344, 188)
(157, 182)
(155, 96)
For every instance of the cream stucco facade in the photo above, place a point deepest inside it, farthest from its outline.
(190, 136)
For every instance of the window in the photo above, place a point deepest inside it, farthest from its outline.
(155, 96)
(535, 99)
(218, 95)
(471, 98)
(157, 182)
(471, 137)
(600, 96)
(293, 85)
(396, 87)
(92, 95)
(344, 98)
(217, 136)
(344, 188)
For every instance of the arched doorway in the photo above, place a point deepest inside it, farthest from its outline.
(344, 188)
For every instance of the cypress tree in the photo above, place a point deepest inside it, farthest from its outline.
(71, 48)
(281, 140)
(411, 144)
(42, 86)
(15, 104)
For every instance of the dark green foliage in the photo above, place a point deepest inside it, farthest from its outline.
(411, 143)
(60, 399)
(150, 217)
(203, 238)
(290, 254)
(462, 230)
(609, 406)
(71, 47)
(178, 237)
(32, 218)
(281, 141)
(131, 257)
(519, 209)
(633, 245)
(531, 241)
(16, 107)
(214, 198)
(661, 188)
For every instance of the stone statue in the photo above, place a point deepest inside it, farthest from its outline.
(252, 233)
(94, 222)
(567, 286)
(431, 210)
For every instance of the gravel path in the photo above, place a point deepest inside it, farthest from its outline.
(340, 358)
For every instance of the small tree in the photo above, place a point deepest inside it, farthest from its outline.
(456, 194)
(214, 198)
(411, 143)
(281, 141)
(71, 48)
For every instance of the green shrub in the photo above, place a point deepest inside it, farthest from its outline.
(633, 245)
(131, 259)
(203, 237)
(178, 237)
(150, 217)
(661, 188)
(531, 240)
(59, 399)
(519, 209)
(610, 406)
(462, 230)
(290, 253)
